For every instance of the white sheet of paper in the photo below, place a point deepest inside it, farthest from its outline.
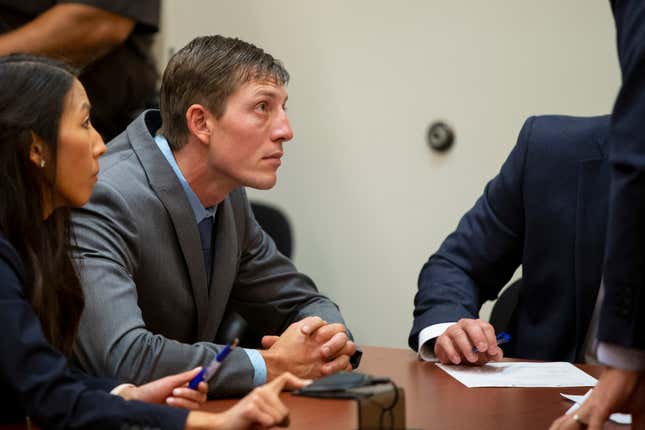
(579, 400)
(520, 374)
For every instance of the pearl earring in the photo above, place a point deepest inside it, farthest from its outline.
(42, 164)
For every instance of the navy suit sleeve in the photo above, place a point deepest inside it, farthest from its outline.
(623, 314)
(95, 383)
(479, 258)
(36, 375)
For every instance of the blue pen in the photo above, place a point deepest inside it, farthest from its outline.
(503, 337)
(207, 372)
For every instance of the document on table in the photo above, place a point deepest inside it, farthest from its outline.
(520, 374)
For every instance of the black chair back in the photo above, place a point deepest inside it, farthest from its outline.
(504, 309)
(276, 223)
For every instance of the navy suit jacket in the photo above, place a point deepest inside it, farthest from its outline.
(546, 211)
(623, 315)
(35, 379)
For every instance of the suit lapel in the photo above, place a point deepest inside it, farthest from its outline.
(164, 182)
(591, 225)
(225, 263)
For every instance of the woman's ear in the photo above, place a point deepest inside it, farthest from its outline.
(199, 122)
(37, 151)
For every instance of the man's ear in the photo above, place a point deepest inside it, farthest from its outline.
(199, 121)
(37, 151)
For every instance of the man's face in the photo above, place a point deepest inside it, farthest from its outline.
(246, 142)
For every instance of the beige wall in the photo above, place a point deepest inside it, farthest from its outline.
(369, 203)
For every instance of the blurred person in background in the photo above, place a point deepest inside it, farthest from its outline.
(109, 41)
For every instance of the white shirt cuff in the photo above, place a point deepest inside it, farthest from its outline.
(116, 391)
(621, 357)
(426, 352)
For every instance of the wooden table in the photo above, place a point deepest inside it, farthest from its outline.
(434, 400)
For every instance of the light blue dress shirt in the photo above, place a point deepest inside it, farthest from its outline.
(200, 212)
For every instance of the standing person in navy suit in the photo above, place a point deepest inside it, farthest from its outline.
(48, 162)
(621, 333)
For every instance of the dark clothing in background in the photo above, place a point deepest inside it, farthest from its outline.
(120, 84)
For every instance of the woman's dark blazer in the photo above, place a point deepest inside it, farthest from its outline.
(36, 381)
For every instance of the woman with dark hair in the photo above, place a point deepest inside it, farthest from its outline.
(49, 162)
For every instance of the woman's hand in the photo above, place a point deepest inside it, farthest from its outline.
(172, 390)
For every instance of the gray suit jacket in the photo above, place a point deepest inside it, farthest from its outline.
(149, 311)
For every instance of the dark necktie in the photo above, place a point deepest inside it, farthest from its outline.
(205, 234)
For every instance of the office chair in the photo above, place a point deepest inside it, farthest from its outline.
(503, 310)
(276, 224)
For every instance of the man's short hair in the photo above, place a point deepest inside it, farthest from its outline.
(207, 71)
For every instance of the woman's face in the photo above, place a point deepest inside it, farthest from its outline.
(79, 147)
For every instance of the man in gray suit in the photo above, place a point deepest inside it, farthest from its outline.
(168, 241)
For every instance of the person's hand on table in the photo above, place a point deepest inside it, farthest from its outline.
(309, 348)
(172, 390)
(260, 409)
(456, 344)
(263, 407)
(617, 391)
(335, 346)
